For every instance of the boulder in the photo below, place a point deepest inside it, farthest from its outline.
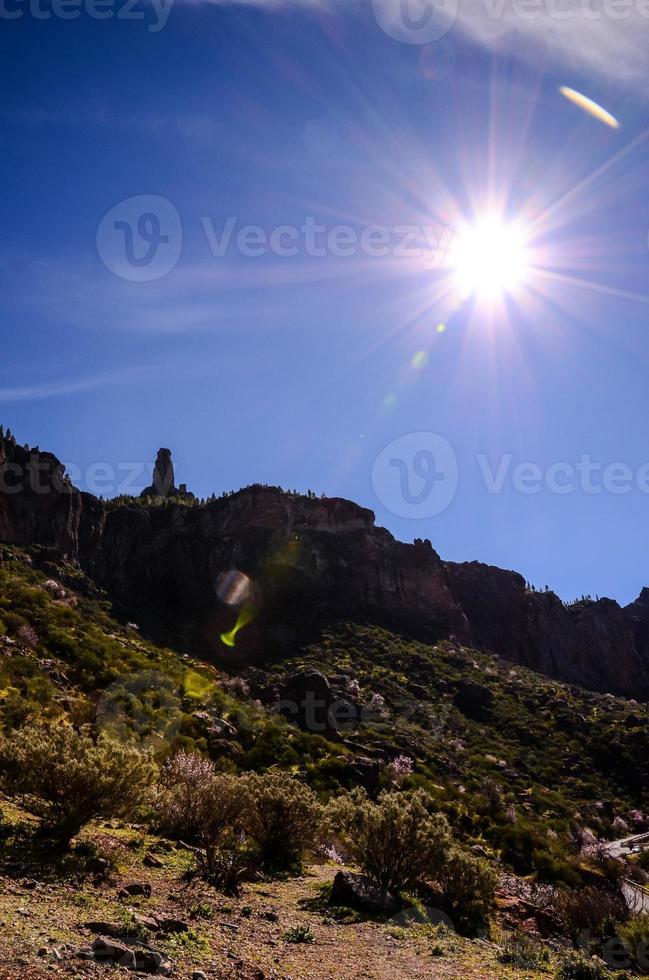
(112, 929)
(364, 772)
(136, 888)
(108, 950)
(362, 893)
(147, 921)
(151, 961)
(151, 861)
(173, 925)
(111, 950)
(307, 699)
(473, 700)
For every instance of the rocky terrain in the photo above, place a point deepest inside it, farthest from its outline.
(312, 561)
(57, 920)
(270, 634)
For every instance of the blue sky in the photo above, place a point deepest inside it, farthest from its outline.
(300, 369)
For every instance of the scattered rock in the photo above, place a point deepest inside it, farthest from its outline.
(108, 950)
(146, 921)
(362, 893)
(152, 861)
(136, 888)
(363, 772)
(173, 925)
(113, 929)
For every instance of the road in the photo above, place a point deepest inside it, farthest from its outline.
(636, 896)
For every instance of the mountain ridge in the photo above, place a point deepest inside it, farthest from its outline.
(311, 560)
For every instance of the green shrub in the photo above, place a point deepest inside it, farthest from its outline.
(67, 778)
(283, 819)
(397, 841)
(467, 884)
(299, 934)
(202, 910)
(225, 808)
(223, 868)
(635, 936)
(577, 966)
(522, 951)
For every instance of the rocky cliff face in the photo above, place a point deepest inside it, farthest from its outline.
(310, 561)
(598, 645)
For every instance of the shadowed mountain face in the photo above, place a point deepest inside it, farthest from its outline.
(309, 561)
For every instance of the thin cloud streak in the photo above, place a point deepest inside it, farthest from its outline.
(595, 36)
(56, 389)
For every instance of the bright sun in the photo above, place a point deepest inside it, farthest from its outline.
(488, 258)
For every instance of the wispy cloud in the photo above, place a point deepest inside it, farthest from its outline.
(607, 37)
(38, 391)
(583, 35)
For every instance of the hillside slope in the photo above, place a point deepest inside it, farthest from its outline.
(312, 562)
(516, 761)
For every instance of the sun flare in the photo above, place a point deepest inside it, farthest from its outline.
(489, 258)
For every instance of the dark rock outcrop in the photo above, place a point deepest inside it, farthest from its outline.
(38, 505)
(309, 561)
(595, 644)
(163, 481)
(473, 700)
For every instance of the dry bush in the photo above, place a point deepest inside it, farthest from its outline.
(226, 808)
(224, 869)
(283, 819)
(467, 885)
(593, 910)
(180, 802)
(68, 778)
(396, 841)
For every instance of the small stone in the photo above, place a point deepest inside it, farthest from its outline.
(147, 921)
(137, 888)
(152, 861)
(114, 951)
(173, 925)
(107, 928)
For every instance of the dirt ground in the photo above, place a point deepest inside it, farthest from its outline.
(42, 916)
